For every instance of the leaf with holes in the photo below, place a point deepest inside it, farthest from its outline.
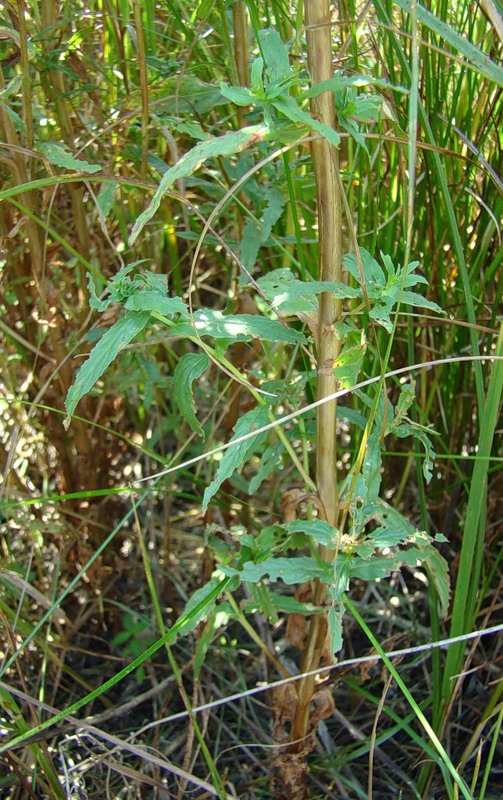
(289, 570)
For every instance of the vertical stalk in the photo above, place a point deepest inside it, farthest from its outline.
(319, 55)
(25, 71)
(241, 56)
(142, 66)
(319, 59)
(240, 41)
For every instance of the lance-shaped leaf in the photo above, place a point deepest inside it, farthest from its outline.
(243, 327)
(475, 58)
(290, 570)
(150, 300)
(58, 154)
(275, 54)
(226, 145)
(102, 355)
(288, 294)
(289, 107)
(190, 367)
(237, 455)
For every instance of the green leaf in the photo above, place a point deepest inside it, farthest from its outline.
(151, 300)
(237, 455)
(183, 95)
(58, 154)
(290, 570)
(94, 300)
(350, 361)
(262, 597)
(372, 271)
(335, 627)
(438, 570)
(285, 292)
(371, 471)
(256, 81)
(190, 367)
(373, 569)
(387, 537)
(273, 211)
(238, 95)
(226, 145)
(291, 606)
(271, 459)
(256, 233)
(200, 606)
(414, 299)
(411, 429)
(17, 121)
(161, 66)
(393, 521)
(340, 81)
(193, 129)
(381, 314)
(106, 197)
(250, 243)
(102, 355)
(288, 107)
(13, 86)
(204, 8)
(275, 55)
(243, 327)
(317, 529)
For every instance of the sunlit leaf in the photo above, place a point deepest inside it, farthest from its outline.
(58, 154)
(290, 295)
(149, 300)
(289, 570)
(317, 529)
(243, 327)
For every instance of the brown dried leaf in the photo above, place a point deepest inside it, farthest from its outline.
(324, 706)
(289, 502)
(284, 704)
(296, 630)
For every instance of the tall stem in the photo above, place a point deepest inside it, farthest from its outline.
(319, 54)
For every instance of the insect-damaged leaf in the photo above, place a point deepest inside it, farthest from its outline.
(58, 154)
(290, 570)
